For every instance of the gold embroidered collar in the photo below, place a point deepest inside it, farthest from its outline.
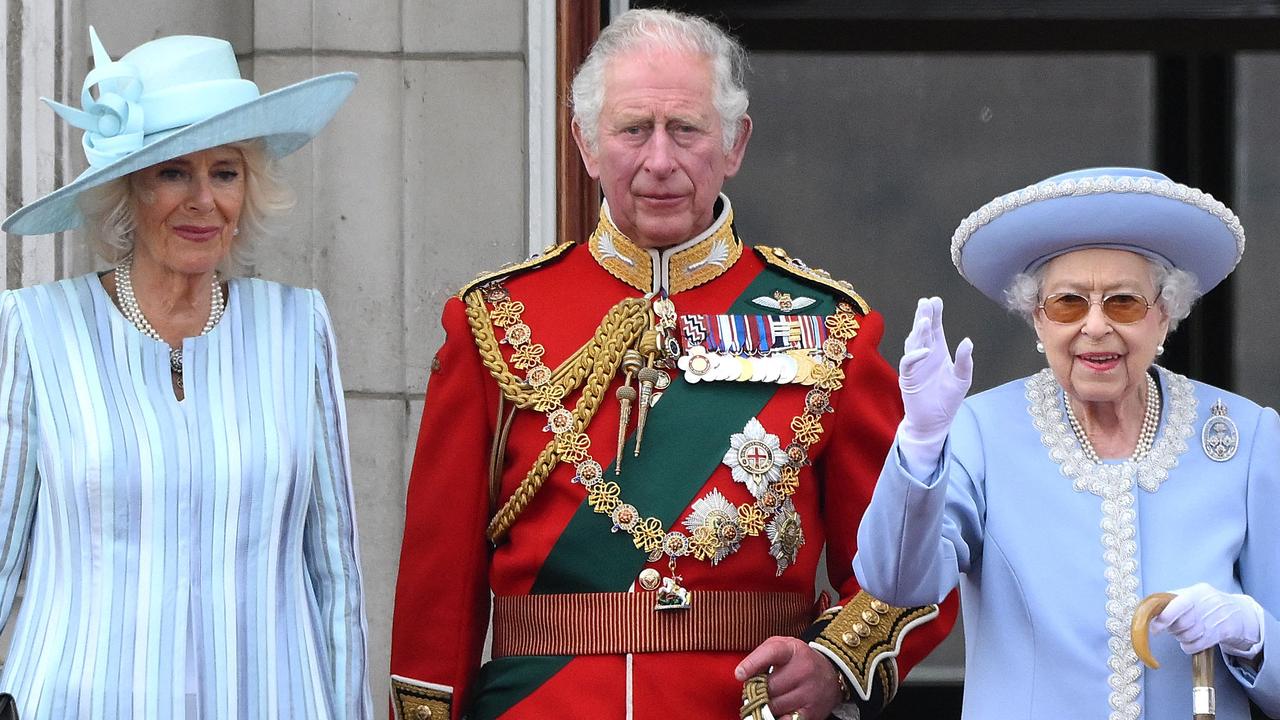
(673, 269)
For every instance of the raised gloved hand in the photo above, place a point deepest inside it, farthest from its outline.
(1202, 616)
(932, 388)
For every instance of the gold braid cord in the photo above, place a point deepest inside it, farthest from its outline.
(543, 389)
(755, 698)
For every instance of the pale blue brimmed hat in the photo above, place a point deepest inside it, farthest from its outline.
(1110, 207)
(169, 97)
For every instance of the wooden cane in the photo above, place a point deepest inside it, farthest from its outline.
(1202, 696)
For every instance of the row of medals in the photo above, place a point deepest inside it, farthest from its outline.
(782, 367)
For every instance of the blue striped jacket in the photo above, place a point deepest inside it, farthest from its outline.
(196, 552)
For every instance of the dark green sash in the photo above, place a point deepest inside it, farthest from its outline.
(685, 439)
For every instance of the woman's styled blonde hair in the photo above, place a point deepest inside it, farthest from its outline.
(109, 209)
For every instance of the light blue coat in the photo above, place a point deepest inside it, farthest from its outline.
(198, 552)
(1052, 552)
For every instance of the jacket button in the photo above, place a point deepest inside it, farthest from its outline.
(650, 579)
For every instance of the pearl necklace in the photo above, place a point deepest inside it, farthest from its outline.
(129, 305)
(1146, 436)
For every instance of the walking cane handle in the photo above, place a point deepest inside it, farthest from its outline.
(1151, 606)
(1202, 694)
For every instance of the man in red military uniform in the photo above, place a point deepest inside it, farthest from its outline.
(640, 444)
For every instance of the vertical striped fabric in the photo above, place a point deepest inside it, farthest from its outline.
(212, 538)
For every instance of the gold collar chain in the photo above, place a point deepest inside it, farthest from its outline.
(721, 532)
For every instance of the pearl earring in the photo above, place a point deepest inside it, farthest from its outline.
(1039, 347)
(235, 232)
(1159, 349)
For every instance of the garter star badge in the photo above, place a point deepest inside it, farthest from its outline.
(756, 457)
(713, 523)
(786, 535)
(1219, 437)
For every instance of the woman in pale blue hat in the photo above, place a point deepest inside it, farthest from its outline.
(1056, 502)
(175, 476)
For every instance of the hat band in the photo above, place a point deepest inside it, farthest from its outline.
(185, 104)
(1099, 185)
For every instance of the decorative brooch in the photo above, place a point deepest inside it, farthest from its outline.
(1219, 437)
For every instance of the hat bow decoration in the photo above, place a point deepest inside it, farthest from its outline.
(126, 110)
(112, 123)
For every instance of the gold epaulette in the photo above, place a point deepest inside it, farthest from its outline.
(778, 258)
(863, 638)
(553, 252)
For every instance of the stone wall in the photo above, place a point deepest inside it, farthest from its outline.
(418, 184)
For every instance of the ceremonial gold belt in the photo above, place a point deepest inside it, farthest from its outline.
(624, 622)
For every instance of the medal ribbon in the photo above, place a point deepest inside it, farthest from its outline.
(746, 335)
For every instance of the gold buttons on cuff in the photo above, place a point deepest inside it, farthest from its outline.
(850, 639)
(862, 629)
(422, 712)
(650, 579)
(870, 617)
(880, 606)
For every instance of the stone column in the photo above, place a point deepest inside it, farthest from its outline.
(419, 184)
(36, 62)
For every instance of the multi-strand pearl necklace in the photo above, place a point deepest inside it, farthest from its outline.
(129, 305)
(1146, 436)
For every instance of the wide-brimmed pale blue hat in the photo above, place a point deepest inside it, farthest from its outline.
(1110, 207)
(169, 97)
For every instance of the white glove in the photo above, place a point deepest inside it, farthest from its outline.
(932, 388)
(1202, 616)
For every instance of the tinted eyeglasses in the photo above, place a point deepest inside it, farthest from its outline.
(1121, 308)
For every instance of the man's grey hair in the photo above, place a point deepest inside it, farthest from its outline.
(1177, 291)
(664, 30)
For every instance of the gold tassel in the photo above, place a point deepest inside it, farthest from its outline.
(631, 362)
(647, 376)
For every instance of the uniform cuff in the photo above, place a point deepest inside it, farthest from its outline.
(417, 700)
(863, 638)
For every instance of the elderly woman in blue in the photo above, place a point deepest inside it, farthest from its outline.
(175, 477)
(1056, 502)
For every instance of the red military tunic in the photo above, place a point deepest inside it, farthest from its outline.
(558, 548)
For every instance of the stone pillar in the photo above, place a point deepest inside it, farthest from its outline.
(419, 184)
(36, 62)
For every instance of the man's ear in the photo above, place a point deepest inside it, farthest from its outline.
(733, 158)
(588, 157)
